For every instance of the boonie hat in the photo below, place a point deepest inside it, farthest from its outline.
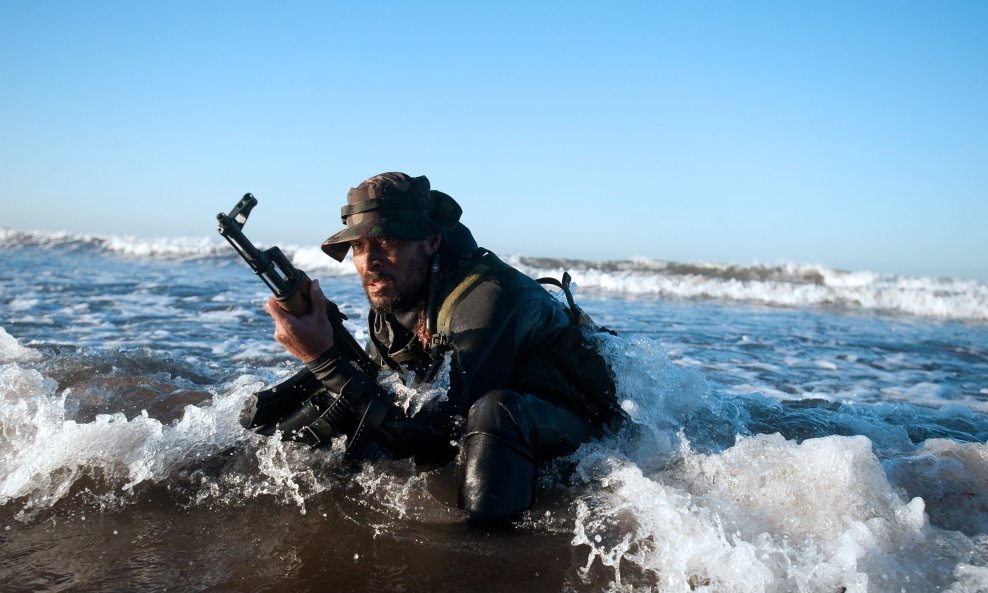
(392, 205)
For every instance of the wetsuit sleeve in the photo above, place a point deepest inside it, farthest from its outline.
(398, 434)
(333, 370)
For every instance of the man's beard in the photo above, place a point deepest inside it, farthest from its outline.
(404, 297)
(401, 300)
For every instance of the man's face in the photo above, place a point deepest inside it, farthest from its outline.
(393, 271)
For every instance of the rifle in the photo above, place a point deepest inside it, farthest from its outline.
(289, 284)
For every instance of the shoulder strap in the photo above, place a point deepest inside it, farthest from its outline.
(472, 279)
(467, 279)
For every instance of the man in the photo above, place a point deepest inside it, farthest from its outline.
(523, 371)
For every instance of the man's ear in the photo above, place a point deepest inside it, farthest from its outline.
(432, 243)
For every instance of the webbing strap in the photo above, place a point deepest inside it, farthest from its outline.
(574, 311)
(462, 289)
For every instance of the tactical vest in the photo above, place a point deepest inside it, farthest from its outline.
(571, 372)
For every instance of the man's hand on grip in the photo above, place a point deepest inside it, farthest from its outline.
(305, 337)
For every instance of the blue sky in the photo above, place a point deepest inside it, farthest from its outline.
(848, 134)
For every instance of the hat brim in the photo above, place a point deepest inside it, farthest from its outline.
(338, 245)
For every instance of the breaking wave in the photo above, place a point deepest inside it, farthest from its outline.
(785, 285)
(165, 248)
(789, 285)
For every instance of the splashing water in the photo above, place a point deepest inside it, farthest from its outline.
(768, 450)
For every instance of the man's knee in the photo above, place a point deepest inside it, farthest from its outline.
(500, 467)
(500, 413)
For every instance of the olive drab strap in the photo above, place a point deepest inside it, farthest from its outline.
(440, 339)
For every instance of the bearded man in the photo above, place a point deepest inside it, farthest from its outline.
(527, 383)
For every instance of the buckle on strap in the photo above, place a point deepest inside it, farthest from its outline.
(438, 341)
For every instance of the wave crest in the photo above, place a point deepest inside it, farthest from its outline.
(787, 285)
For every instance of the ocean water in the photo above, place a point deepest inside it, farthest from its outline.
(795, 428)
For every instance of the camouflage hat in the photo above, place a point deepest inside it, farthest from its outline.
(392, 205)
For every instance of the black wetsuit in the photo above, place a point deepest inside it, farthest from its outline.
(505, 380)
